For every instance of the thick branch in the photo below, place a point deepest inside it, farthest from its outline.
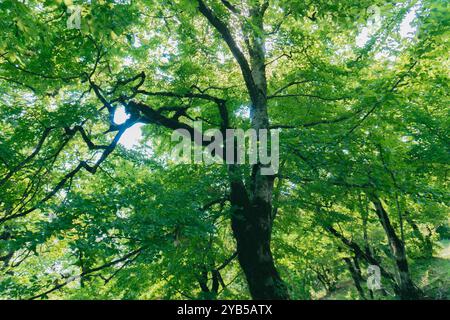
(89, 271)
(71, 174)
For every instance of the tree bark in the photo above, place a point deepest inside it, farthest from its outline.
(407, 289)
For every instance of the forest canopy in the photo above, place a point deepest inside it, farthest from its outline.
(93, 204)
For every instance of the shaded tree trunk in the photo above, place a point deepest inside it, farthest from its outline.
(356, 276)
(427, 243)
(407, 289)
(360, 253)
(252, 219)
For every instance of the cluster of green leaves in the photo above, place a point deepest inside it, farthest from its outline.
(353, 120)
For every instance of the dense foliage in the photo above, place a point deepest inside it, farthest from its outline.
(362, 111)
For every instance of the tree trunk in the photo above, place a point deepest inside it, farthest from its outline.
(360, 253)
(407, 289)
(252, 231)
(356, 276)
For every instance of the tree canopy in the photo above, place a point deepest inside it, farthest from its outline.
(358, 91)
